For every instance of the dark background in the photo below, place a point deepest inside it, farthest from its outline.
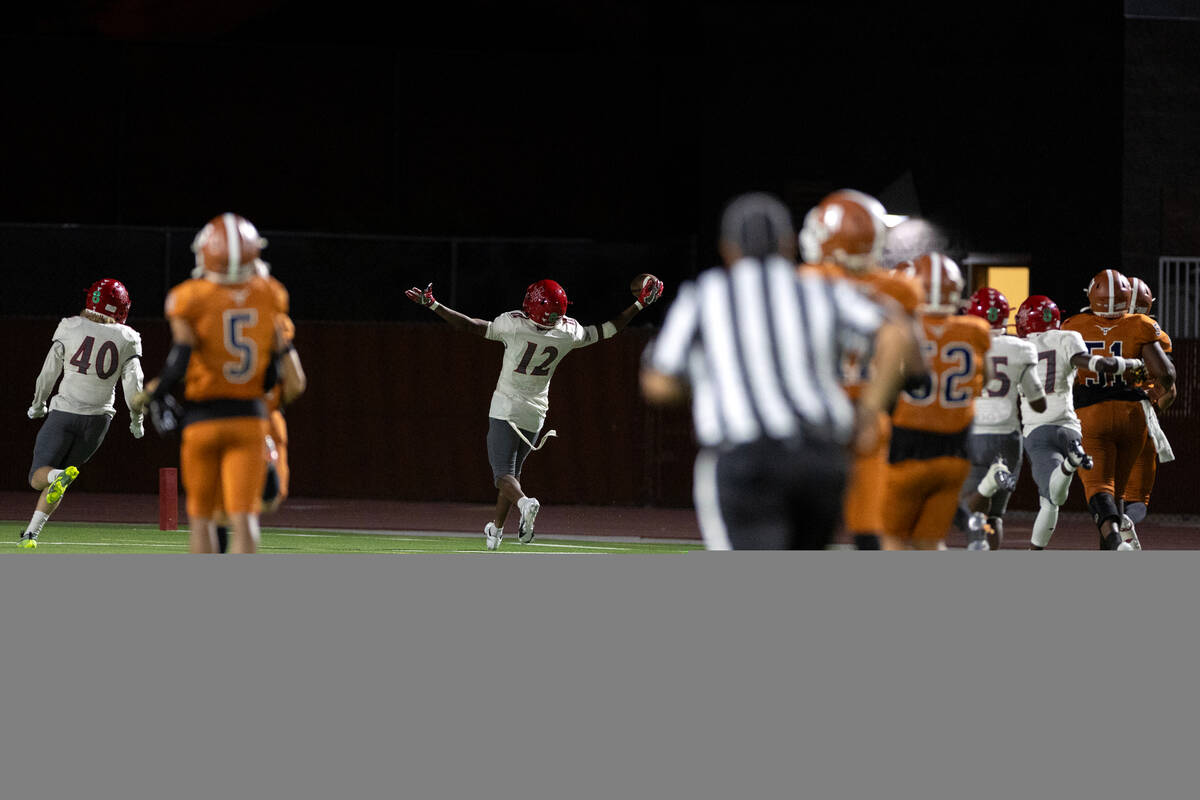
(603, 121)
(484, 145)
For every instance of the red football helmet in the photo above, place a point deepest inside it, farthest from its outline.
(940, 278)
(1109, 294)
(991, 305)
(110, 298)
(227, 248)
(1038, 313)
(1142, 298)
(846, 228)
(545, 303)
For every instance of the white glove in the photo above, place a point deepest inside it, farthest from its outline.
(36, 411)
(1129, 364)
(135, 426)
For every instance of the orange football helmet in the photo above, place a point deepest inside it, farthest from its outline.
(1109, 294)
(1142, 299)
(941, 280)
(845, 228)
(227, 248)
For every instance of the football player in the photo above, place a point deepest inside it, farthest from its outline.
(1109, 403)
(927, 455)
(536, 339)
(228, 344)
(994, 445)
(843, 237)
(1053, 440)
(1136, 497)
(92, 351)
(275, 491)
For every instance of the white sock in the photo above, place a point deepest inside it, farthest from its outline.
(38, 522)
(52, 474)
(1060, 483)
(987, 487)
(1043, 525)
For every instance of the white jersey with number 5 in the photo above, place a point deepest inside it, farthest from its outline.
(531, 355)
(1055, 349)
(92, 356)
(1012, 361)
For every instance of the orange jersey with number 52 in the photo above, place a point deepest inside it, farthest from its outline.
(955, 347)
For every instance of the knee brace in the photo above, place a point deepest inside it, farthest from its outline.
(1104, 508)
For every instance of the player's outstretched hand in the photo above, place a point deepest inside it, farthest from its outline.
(423, 298)
(651, 291)
(36, 411)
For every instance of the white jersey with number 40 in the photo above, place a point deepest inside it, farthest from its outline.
(93, 356)
(1055, 349)
(1012, 362)
(531, 355)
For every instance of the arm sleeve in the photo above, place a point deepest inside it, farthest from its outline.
(498, 327)
(131, 381)
(51, 368)
(1030, 386)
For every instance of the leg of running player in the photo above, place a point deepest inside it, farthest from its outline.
(67, 439)
(945, 475)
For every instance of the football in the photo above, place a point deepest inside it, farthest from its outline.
(635, 286)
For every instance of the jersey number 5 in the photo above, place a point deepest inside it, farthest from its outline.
(239, 345)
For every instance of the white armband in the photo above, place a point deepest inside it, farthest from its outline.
(608, 330)
(1093, 362)
(639, 305)
(434, 305)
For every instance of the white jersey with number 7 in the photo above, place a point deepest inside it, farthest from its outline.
(1055, 350)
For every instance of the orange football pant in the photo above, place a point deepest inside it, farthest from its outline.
(921, 496)
(222, 465)
(1114, 435)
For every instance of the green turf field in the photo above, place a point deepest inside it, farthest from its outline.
(79, 537)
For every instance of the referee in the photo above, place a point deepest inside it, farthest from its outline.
(758, 348)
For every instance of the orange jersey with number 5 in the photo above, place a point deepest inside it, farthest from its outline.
(955, 347)
(235, 332)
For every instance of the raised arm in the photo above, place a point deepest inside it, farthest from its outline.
(649, 292)
(455, 319)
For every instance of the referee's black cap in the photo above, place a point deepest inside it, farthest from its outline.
(759, 224)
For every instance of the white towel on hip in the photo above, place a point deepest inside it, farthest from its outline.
(1161, 445)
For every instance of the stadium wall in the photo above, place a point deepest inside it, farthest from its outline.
(399, 411)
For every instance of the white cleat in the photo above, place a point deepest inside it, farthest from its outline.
(980, 544)
(1125, 547)
(998, 478)
(528, 515)
(1129, 533)
(493, 536)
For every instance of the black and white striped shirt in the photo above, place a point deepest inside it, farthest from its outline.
(761, 347)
